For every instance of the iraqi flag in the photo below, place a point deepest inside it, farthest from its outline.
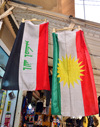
(73, 86)
(27, 67)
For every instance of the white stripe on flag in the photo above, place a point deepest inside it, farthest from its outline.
(71, 98)
(27, 71)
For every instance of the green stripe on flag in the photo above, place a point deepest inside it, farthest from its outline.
(56, 95)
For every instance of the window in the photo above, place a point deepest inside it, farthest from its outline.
(4, 55)
(88, 10)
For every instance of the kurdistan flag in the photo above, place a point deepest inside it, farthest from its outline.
(73, 87)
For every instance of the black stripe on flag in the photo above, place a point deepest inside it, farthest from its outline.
(11, 76)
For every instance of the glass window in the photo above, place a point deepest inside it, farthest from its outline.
(88, 10)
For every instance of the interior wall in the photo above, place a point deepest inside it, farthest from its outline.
(68, 7)
(46, 4)
(60, 6)
(7, 37)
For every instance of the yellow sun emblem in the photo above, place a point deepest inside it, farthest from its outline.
(69, 71)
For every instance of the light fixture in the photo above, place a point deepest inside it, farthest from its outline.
(29, 106)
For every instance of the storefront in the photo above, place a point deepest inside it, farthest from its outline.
(33, 108)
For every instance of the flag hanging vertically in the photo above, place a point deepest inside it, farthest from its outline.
(32, 64)
(73, 86)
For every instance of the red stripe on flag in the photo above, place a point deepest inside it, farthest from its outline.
(42, 59)
(88, 84)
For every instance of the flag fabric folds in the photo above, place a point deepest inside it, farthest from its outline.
(73, 86)
(30, 70)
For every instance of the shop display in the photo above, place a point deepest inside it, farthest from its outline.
(9, 110)
(33, 113)
(86, 121)
(11, 95)
(56, 122)
(2, 102)
(39, 107)
(7, 120)
(8, 106)
(1, 94)
(29, 118)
